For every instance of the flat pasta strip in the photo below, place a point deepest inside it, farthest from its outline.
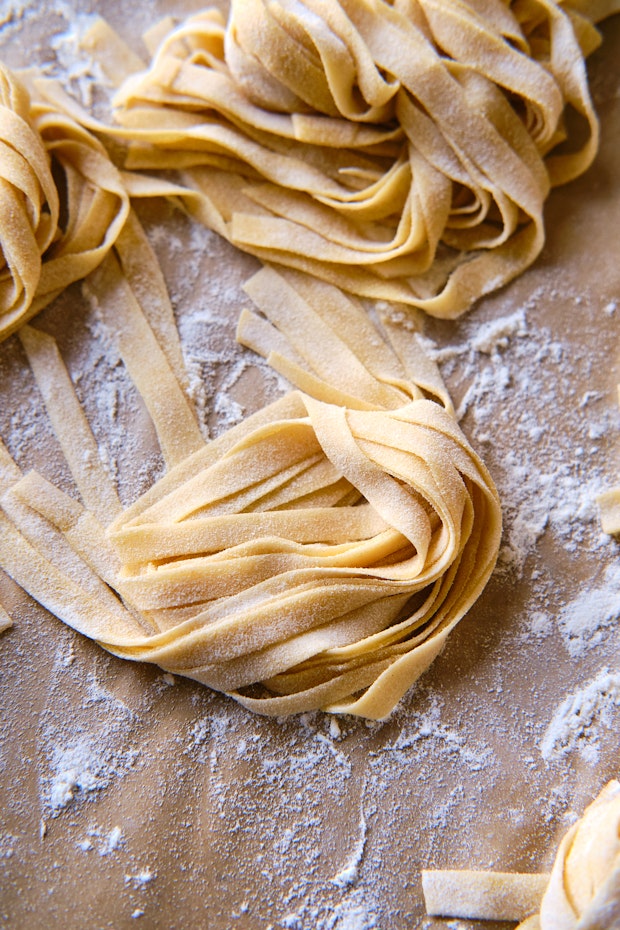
(609, 506)
(56, 550)
(483, 895)
(174, 420)
(5, 620)
(53, 584)
(70, 425)
(9, 471)
(79, 526)
(144, 276)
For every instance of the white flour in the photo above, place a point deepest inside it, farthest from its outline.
(584, 622)
(584, 719)
(348, 875)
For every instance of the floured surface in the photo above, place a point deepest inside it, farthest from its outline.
(128, 795)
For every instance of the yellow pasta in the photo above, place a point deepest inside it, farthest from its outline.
(318, 555)
(609, 506)
(49, 240)
(5, 620)
(315, 556)
(400, 151)
(582, 891)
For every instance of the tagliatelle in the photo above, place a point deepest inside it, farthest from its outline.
(315, 556)
(581, 893)
(401, 151)
(50, 239)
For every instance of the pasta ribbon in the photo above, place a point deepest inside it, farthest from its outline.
(50, 238)
(581, 893)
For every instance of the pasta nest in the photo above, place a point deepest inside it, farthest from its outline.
(400, 151)
(317, 555)
(62, 203)
(332, 548)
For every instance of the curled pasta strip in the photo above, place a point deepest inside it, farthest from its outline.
(581, 893)
(315, 556)
(401, 151)
(49, 238)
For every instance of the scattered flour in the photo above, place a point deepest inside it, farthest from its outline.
(83, 767)
(427, 733)
(142, 878)
(501, 372)
(580, 721)
(584, 620)
(105, 841)
(349, 873)
(111, 841)
(351, 913)
(540, 625)
(88, 747)
(7, 845)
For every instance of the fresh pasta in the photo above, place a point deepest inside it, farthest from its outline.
(582, 891)
(401, 151)
(317, 555)
(48, 238)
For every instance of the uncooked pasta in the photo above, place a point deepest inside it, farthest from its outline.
(317, 555)
(51, 232)
(582, 890)
(400, 151)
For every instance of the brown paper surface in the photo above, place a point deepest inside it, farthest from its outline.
(129, 798)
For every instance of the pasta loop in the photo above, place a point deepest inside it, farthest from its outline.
(584, 888)
(364, 531)
(48, 238)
